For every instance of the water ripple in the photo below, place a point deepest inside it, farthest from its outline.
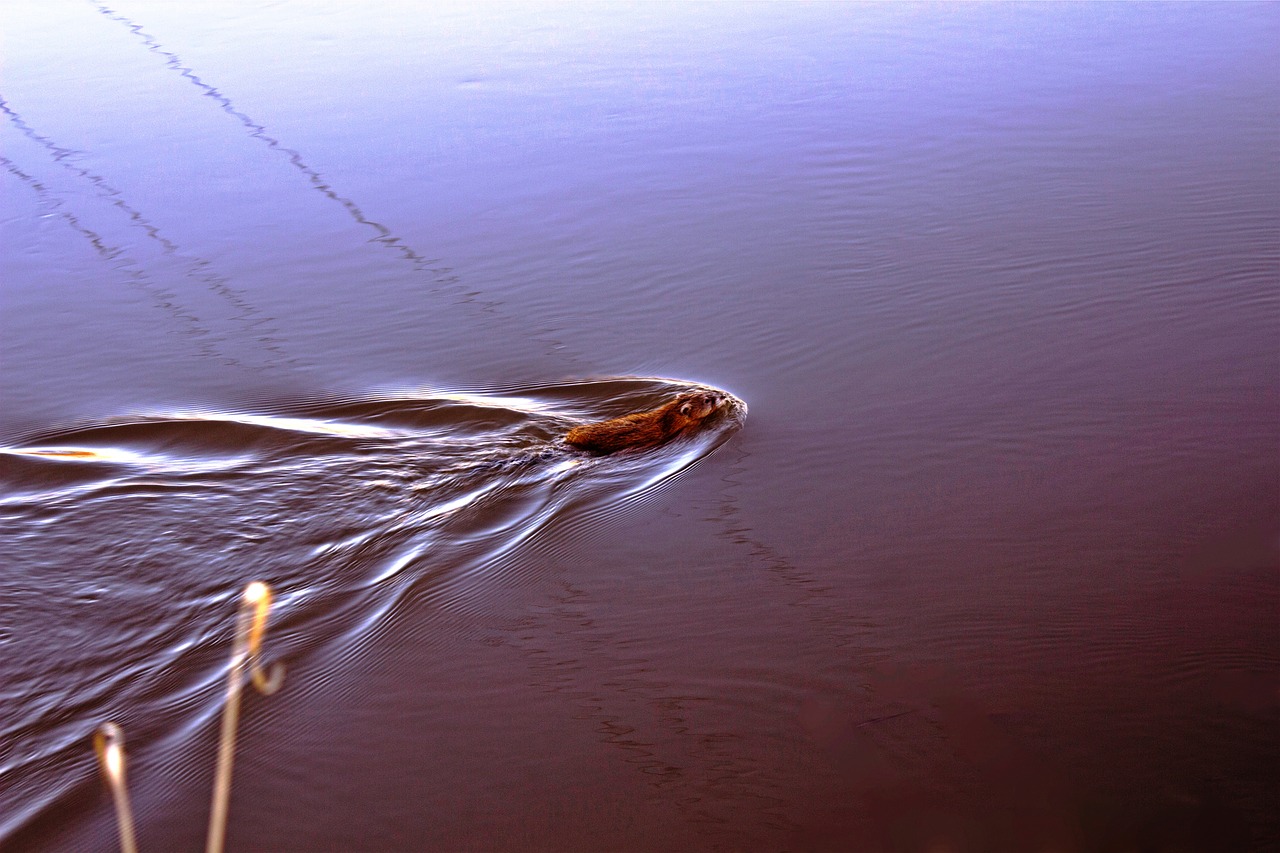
(141, 530)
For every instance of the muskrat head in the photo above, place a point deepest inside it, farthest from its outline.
(697, 405)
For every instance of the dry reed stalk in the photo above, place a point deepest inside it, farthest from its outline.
(251, 624)
(108, 743)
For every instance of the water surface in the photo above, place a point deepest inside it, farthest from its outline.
(304, 292)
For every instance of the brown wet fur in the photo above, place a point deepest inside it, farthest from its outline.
(647, 429)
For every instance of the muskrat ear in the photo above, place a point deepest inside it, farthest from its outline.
(686, 409)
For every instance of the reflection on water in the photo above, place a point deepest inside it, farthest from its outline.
(992, 566)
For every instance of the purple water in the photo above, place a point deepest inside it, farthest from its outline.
(306, 293)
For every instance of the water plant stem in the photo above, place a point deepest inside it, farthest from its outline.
(108, 743)
(251, 624)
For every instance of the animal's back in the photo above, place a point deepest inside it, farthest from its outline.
(646, 429)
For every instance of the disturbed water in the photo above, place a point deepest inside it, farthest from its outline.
(307, 293)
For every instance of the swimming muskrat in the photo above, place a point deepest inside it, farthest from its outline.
(647, 429)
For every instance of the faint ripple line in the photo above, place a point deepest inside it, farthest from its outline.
(443, 280)
(716, 774)
(813, 599)
(259, 131)
(164, 299)
(199, 268)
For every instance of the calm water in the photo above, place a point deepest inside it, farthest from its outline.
(305, 292)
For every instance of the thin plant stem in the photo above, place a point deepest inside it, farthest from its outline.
(251, 624)
(108, 743)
